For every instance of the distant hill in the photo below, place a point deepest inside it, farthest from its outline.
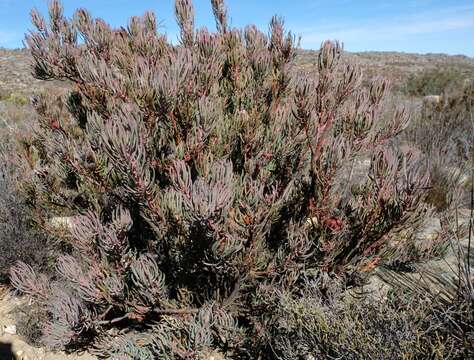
(15, 74)
(15, 71)
(398, 66)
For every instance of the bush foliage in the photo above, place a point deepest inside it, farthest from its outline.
(404, 325)
(443, 132)
(20, 239)
(203, 180)
(435, 81)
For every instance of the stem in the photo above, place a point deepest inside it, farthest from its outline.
(113, 321)
(156, 311)
(175, 311)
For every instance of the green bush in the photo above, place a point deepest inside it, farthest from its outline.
(200, 176)
(434, 81)
(14, 98)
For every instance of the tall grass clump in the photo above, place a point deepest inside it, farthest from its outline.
(204, 181)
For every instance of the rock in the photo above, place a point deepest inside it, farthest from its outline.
(61, 221)
(430, 230)
(10, 329)
(432, 99)
(214, 355)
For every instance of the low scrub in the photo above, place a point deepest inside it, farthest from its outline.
(20, 239)
(332, 325)
(15, 98)
(434, 81)
(443, 132)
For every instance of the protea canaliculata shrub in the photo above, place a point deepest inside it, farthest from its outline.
(200, 176)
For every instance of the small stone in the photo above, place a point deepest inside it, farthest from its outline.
(61, 222)
(10, 329)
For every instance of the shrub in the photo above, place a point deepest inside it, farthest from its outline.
(449, 293)
(29, 321)
(200, 175)
(17, 99)
(443, 132)
(20, 240)
(406, 325)
(434, 81)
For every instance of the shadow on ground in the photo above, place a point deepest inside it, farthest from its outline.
(6, 352)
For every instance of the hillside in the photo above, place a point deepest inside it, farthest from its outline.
(398, 66)
(15, 72)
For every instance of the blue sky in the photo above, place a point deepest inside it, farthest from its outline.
(437, 26)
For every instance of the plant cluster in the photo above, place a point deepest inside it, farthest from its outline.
(205, 181)
(408, 324)
(450, 307)
(20, 240)
(443, 132)
(434, 81)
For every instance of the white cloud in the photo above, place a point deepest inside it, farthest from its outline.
(392, 28)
